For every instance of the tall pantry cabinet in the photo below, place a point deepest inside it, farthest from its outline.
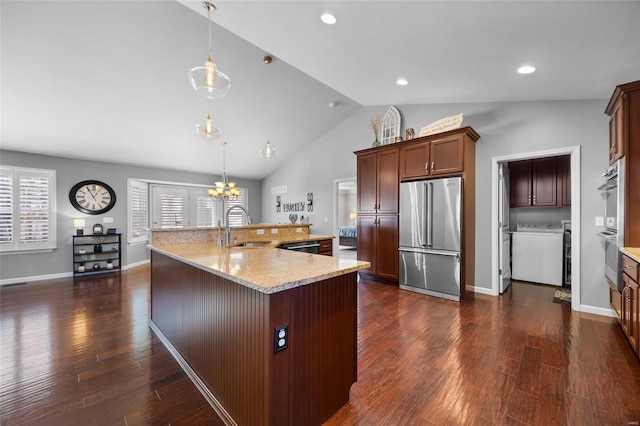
(380, 171)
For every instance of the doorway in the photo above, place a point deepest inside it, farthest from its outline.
(345, 218)
(496, 241)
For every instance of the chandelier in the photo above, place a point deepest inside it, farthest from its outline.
(207, 80)
(224, 189)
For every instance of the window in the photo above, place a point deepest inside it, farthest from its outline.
(174, 206)
(138, 211)
(390, 126)
(27, 209)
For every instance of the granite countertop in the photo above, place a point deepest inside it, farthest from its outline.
(632, 252)
(265, 269)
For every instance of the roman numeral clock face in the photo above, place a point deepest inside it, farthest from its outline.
(92, 197)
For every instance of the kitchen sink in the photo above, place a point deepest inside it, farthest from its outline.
(252, 244)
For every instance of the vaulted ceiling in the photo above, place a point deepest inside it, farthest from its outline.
(107, 80)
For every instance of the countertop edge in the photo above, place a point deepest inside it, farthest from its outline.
(632, 252)
(258, 287)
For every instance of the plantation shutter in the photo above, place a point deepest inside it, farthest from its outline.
(172, 209)
(6, 208)
(27, 209)
(139, 211)
(236, 216)
(206, 210)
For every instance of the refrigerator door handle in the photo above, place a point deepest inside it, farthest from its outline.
(429, 224)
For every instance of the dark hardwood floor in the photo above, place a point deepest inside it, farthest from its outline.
(81, 352)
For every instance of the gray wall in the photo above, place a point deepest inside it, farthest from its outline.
(538, 215)
(505, 129)
(71, 171)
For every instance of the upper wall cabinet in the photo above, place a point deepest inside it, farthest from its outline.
(543, 182)
(624, 142)
(435, 155)
(378, 182)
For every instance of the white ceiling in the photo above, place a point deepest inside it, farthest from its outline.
(108, 80)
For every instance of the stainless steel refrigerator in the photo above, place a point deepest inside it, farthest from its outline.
(430, 236)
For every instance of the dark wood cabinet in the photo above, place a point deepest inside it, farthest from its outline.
(415, 160)
(564, 181)
(380, 171)
(624, 143)
(520, 183)
(544, 182)
(378, 245)
(436, 157)
(326, 247)
(617, 131)
(630, 318)
(378, 182)
(541, 182)
(447, 155)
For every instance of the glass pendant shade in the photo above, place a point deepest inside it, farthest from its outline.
(207, 130)
(268, 151)
(207, 80)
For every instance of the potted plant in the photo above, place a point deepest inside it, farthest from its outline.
(81, 267)
(109, 264)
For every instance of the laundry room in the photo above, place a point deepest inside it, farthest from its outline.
(540, 220)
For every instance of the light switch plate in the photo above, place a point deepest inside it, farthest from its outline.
(260, 232)
(107, 220)
(599, 221)
(274, 230)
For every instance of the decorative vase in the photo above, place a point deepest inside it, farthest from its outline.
(376, 143)
(80, 268)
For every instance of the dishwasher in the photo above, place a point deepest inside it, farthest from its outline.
(304, 246)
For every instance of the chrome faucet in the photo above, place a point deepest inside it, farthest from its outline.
(226, 222)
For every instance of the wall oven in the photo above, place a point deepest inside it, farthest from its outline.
(613, 235)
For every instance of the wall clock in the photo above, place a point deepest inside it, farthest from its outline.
(92, 197)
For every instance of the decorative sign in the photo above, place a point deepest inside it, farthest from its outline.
(442, 125)
(293, 207)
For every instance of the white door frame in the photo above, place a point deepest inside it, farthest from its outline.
(574, 151)
(336, 194)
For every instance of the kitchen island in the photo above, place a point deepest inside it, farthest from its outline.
(267, 335)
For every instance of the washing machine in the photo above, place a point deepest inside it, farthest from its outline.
(537, 253)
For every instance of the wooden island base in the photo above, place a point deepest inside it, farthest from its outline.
(222, 333)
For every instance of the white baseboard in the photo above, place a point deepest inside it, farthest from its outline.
(598, 311)
(33, 278)
(481, 290)
(136, 264)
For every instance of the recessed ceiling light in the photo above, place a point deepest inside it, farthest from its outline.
(526, 69)
(328, 18)
(402, 82)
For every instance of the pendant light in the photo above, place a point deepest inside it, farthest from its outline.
(267, 151)
(207, 80)
(207, 130)
(224, 189)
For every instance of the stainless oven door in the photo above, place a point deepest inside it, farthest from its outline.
(612, 259)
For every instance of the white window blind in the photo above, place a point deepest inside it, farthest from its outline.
(27, 209)
(172, 210)
(236, 216)
(6, 208)
(206, 211)
(139, 211)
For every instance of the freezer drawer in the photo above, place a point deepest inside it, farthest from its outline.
(436, 273)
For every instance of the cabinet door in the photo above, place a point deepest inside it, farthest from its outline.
(387, 248)
(616, 132)
(634, 318)
(447, 155)
(414, 161)
(615, 300)
(626, 305)
(564, 181)
(367, 183)
(367, 242)
(520, 183)
(388, 182)
(544, 182)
